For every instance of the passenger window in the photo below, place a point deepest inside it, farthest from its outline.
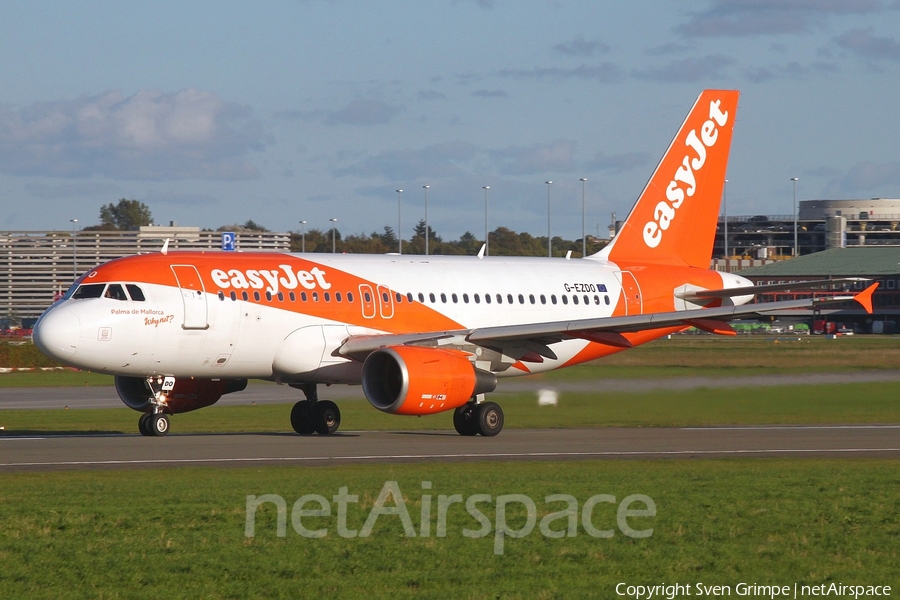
(466, 298)
(303, 296)
(292, 296)
(574, 299)
(399, 297)
(136, 293)
(431, 297)
(421, 297)
(256, 296)
(115, 291)
(606, 299)
(337, 297)
(327, 296)
(543, 299)
(268, 296)
(315, 296)
(444, 298)
(586, 299)
(509, 298)
(487, 298)
(553, 298)
(565, 299)
(409, 296)
(385, 298)
(531, 298)
(350, 297)
(233, 295)
(221, 295)
(596, 299)
(499, 298)
(521, 299)
(281, 296)
(245, 296)
(477, 299)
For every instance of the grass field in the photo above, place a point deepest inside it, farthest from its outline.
(181, 532)
(844, 403)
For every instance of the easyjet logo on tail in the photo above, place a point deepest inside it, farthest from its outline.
(684, 183)
(287, 278)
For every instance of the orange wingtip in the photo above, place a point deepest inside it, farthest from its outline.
(864, 298)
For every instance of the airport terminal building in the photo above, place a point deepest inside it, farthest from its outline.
(36, 267)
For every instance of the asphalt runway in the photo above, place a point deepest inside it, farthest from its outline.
(126, 451)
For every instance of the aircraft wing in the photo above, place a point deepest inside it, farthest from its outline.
(535, 337)
(695, 295)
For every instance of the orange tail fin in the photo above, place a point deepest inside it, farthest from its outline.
(674, 220)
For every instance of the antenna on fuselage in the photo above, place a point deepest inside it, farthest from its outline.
(165, 248)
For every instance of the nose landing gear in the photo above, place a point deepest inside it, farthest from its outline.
(156, 423)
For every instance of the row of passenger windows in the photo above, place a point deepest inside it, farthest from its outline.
(431, 297)
(115, 291)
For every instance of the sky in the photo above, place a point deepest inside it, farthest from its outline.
(213, 113)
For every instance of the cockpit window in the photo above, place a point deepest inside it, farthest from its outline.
(115, 291)
(91, 290)
(137, 294)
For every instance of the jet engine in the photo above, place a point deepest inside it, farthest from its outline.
(414, 380)
(187, 395)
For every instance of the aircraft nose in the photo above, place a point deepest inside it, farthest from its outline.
(56, 333)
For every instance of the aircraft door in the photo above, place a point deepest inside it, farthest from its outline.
(385, 302)
(632, 292)
(367, 299)
(193, 297)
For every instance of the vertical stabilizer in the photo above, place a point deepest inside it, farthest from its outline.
(674, 220)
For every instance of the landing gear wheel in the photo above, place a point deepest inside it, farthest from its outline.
(489, 418)
(158, 424)
(464, 419)
(326, 416)
(301, 418)
(143, 424)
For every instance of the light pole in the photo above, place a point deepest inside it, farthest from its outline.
(796, 249)
(74, 222)
(725, 214)
(486, 245)
(583, 239)
(302, 236)
(426, 218)
(399, 222)
(549, 243)
(333, 229)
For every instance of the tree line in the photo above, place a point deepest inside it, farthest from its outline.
(132, 214)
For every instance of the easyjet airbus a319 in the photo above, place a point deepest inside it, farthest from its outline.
(421, 334)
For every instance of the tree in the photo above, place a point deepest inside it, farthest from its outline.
(250, 225)
(126, 215)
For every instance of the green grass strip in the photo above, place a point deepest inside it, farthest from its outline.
(181, 532)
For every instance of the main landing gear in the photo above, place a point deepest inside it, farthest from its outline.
(313, 415)
(156, 423)
(473, 418)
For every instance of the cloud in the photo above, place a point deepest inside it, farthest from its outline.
(364, 112)
(618, 163)
(863, 43)
(490, 94)
(435, 161)
(865, 177)
(603, 73)
(581, 47)
(180, 199)
(768, 17)
(688, 70)
(669, 48)
(69, 189)
(431, 95)
(791, 70)
(151, 135)
(538, 158)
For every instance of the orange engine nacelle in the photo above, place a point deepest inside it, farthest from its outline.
(187, 395)
(413, 380)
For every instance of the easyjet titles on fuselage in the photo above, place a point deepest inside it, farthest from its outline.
(286, 278)
(664, 213)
